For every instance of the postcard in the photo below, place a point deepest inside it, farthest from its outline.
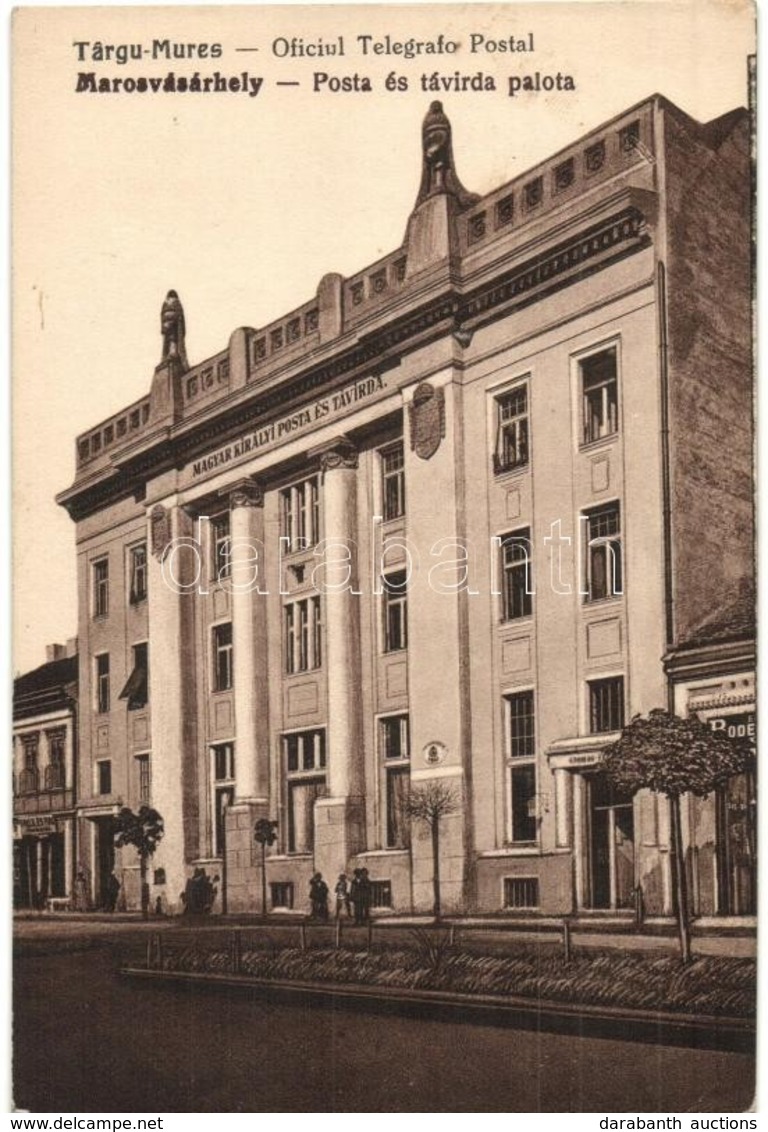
(384, 641)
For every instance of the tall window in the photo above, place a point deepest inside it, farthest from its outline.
(136, 690)
(395, 607)
(222, 657)
(55, 772)
(102, 682)
(104, 776)
(304, 755)
(101, 587)
(517, 575)
(300, 506)
(137, 567)
(29, 777)
(143, 779)
(511, 430)
(521, 766)
(223, 791)
(221, 563)
(303, 635)
(394, 747)
(603, 553)
(600, 395)
(392, 482)
(606, 704)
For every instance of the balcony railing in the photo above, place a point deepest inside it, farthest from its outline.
(54, 776)
(29, 781)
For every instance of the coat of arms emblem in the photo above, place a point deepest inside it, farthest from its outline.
(427, 419)
(160, 526)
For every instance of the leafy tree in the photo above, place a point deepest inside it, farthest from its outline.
(429, 802)
(265, 834)
(143, 830)
(674, 756)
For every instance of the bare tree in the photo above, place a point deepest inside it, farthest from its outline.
(265, 833)
(429, 802)
(674, 756)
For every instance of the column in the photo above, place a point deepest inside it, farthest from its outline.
(246, 501)
(579, 841)
(172, 569)
(339, 817)
(69, 855)
(562, 808)
(249, 671)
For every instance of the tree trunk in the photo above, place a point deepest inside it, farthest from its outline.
(144, 886)
(436, 867)
(264, 879)
(681, 885)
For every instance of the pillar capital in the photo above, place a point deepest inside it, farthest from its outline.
(338, 453)
(245, 492)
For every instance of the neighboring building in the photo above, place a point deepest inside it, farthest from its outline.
(531, 426)
(44, 760)
(713, 676)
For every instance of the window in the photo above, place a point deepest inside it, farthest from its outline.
(104, 776)
(222, 657)
(394, 747)
(143, 779)
(101, 588)
(136, 690)
(222, 790)
(603, 553)
(521, 892)
(511, 430)
(220, 547)
(303, 635)
(55, 772)
(102, 682)
(304, 754)
(29, 777)
(599, 394)
(300, 506)
(521, 766)
(392, 482)
(137, 567)
(281, 894)
(517, 575)
(395, 611)
(606, 705)
(381, 893)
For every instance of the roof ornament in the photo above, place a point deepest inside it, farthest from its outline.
(438, 173)
(173, 330)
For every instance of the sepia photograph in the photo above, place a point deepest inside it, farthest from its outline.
(384, 634)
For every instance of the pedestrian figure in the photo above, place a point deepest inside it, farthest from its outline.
(113, 891)
(355, 896)
(342, 896)
(318, 897)
(81, 891)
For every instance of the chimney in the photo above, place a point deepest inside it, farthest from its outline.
(71, 647)
(55, 652)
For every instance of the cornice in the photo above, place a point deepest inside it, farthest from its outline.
(583, 253)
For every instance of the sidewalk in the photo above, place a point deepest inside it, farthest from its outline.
(735, 937)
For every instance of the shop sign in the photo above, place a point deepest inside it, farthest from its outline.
(738, 726)
(37, 826)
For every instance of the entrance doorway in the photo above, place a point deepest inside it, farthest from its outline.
(611, 845)
(736, 833)
(105, 858)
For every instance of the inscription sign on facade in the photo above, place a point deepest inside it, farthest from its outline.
(293, 424)
(738, 726)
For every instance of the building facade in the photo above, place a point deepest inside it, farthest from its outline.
(44, 761)
(439, 524)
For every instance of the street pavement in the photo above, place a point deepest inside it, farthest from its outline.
(88, 1040)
